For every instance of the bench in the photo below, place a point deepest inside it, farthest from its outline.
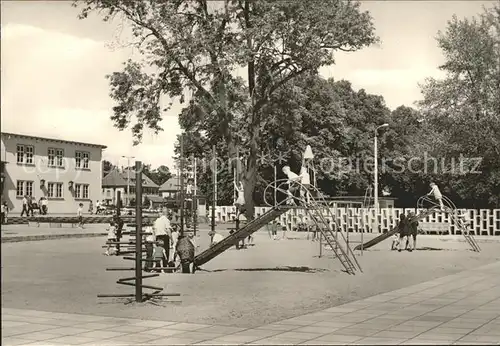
(439, 228)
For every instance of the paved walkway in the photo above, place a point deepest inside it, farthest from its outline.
(458, 309)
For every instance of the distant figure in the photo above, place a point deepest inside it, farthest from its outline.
(44, 205)
(149, 241)
(91, 208)
(293, 188)
(437, 195)
(25, 206)
(215, 237)
(175, 237)
(185, 249)
(111, 238)
(273, 229)
(240, 201)
(465, 223)
(411, 243)
(5, 212)
(160, 256)
(404, 230)
(79, 214)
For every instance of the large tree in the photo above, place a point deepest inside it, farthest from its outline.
(464, 107)
(200, 46)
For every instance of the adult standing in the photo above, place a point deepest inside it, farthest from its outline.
(25, 206)
(412, 236)
(91, 208)
(163, 230)
(404, 231)
(30, 205)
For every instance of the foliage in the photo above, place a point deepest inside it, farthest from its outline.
(107, 167)
(200, 45)
(464, 107)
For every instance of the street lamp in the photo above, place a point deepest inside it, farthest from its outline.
(128, 178)
(375, 171)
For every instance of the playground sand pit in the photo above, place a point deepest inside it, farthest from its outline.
(270, 281)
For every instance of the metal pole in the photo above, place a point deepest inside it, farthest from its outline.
(195, 199)
(182, 185)
(275, 187)
(138, 232)
(128, 183)
(214, 181)
(375, 180)
(118, 234)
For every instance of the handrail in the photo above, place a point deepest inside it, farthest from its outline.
(321, 201)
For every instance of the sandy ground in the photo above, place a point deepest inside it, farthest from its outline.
(270, 281)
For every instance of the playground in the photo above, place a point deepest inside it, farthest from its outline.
(273, 280)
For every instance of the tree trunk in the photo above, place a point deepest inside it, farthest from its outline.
(250, 178)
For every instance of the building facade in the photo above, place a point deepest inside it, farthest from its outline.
(65, 172)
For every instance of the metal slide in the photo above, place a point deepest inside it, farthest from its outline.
(449, 207)
(231, 240)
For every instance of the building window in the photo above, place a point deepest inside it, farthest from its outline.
(55, 190)
(25, 153)
(56, 157)
(24, 188)
(82, 159)
(82, 191)
(77, 191)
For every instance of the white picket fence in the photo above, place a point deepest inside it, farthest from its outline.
(483, 221)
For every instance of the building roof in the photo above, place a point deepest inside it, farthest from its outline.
(113, 179)
(117, 178)
(171, 184)
(9, 134)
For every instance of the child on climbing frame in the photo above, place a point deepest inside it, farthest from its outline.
(240, 201)
(111, 250)
(292, 187)
(436, 194)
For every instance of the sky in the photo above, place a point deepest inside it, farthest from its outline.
(54, 66)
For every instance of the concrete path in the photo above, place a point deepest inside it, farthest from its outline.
(458, 309)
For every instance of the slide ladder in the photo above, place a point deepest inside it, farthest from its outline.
(394, 230)
(451, 209)
(233, 239)
(422, 203)
(319, 211)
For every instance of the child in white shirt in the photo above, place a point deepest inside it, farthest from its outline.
(111, 239)
(437, 195)
(79, 213)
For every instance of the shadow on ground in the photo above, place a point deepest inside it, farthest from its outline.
(276, 269)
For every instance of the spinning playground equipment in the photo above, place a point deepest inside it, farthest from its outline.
(312, 201)
(449, 208)
(138, 250)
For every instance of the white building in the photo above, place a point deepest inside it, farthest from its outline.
(65, 172)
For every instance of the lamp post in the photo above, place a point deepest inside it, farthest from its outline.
(375, 172)
(128, 179)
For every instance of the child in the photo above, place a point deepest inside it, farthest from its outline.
(240, 201)
(216, 237)
(395, 242)
(111, 239)
(5, 212)
(437, 195)
(273, 227)
(159, 256)
(175, 237)
(79, 213)
(149, 240)
(185, 250)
